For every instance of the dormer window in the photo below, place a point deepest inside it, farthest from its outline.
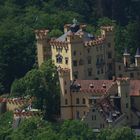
(59, 58)
(91, 85)
(78, 86)
(104, 85)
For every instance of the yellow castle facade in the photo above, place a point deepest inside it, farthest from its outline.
(87, 68)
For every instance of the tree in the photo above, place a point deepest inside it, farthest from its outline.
(75, 130)
(53, 89)
(43, 84)
(122, 133)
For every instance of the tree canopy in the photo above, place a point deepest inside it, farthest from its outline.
(19, 19)
(43, 85)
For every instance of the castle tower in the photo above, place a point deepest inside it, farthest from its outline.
(126, 58)
(137, 58)
(123, 92)
(66, 97)
(107, 32)
(43, 47)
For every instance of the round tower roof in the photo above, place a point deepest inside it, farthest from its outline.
(126, 52)
(137, 52)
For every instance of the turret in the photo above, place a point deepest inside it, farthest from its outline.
(43, 47)
(66, 98)
(137, 58)
(126, 58)
(107, 30)
(124, 93)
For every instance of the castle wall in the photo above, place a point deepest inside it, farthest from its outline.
(95, 120)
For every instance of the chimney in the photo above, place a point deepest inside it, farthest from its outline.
(137, 58)
(126, 57)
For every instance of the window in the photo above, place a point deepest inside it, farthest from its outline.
(74, 53)
(109, 67)
(77, 115)
(98, 72)
(84, 112)
(65, 91)
(93, 110)
(66, 101)
(65, 83)
(126, 95)
(100, 47)
(89, 60)
(97, 61)
(90, 101)
(126, 105)
(109, 55)
(66, 60)
(109, 45)
(94, 101)
(84, 101)
(59, 50)
(102, 70)
(88, 50)
(77, 101)
(75, 74)
(119, 67)
(66, 50)
(97, 49)
(131, 75)
(74, 63)
(120, 75)
(59, 58)
(93, 117)
(81, 62)
(89, 72)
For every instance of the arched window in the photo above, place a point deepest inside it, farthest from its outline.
(66, 101)
(84, 101)
(77, 101)
(59, 58)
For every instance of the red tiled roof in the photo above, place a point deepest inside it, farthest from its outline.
(135, 88)
(97, 86)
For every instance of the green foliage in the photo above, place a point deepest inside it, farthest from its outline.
(19, 19)
(123, 133)
(105, 21)
(43, 84)
(75, 130)
(38, 129)
(6, 120)
(55, 33)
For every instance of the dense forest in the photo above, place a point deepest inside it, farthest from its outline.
(38, 129)
(19, 19)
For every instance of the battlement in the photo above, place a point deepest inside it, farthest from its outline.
(26, 114)
(124, 80)
(59, 44)
(14, 101)
(97, 41)
(41, 34)
(107, 28)
(63, 70)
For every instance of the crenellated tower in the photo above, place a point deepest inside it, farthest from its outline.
(137, 58)
(66, 97)
(126, 58)
(123, 93)
(43, 46)
(107, 32)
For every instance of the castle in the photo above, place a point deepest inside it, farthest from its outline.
(87, 69)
